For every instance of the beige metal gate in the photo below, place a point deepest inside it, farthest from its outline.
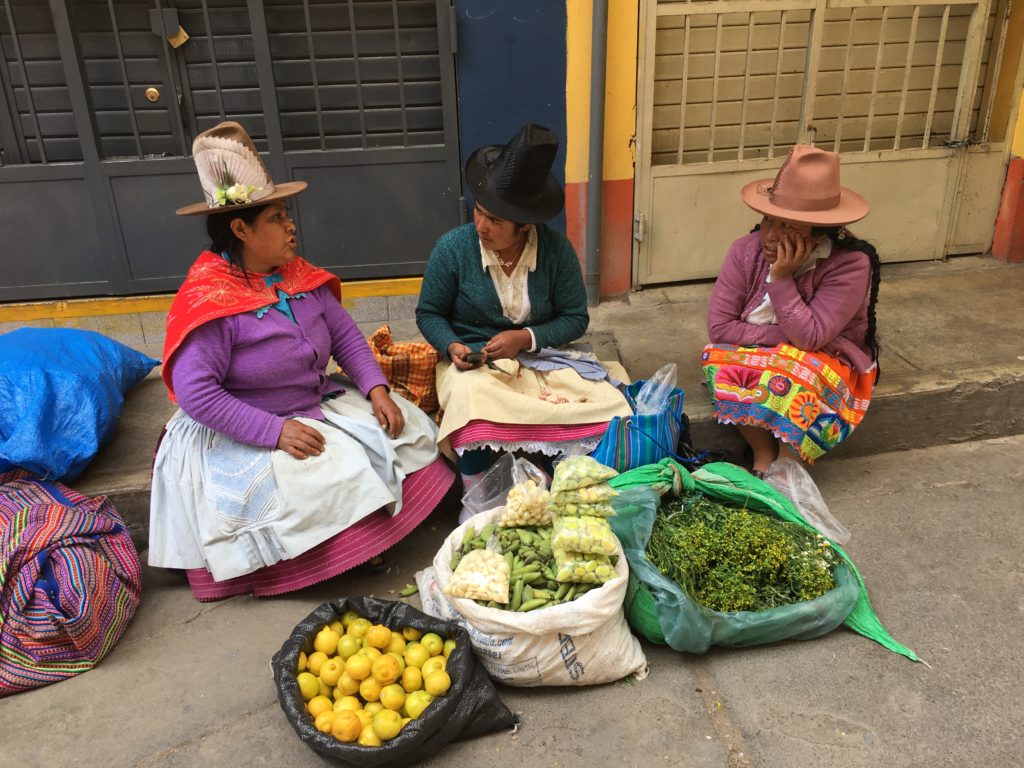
(904, 91)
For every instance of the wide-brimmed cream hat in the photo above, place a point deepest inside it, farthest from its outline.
(806, 189)
(232, 174)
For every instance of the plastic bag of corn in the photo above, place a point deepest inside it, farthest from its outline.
(585, 535)
(580, 472)
(581, 568)
(527, 504)
(591, 494)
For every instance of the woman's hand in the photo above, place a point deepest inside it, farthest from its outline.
(457, 352)
(388, 414)
(508, 344)
(300, 440)
(793, 250)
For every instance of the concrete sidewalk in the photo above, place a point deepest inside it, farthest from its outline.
(936, 536)
(952, 336)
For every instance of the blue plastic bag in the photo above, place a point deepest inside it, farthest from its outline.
(637, 440)
(61, 392)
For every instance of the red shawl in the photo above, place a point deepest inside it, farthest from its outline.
(215, 288)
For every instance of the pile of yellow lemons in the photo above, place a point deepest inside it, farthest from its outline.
(363, 682)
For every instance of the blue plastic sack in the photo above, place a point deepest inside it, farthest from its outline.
(61, 392)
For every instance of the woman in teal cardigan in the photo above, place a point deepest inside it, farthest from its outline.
(504, 285)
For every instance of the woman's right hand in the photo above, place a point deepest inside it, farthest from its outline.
(793, 250)
(300, 440)
(457, 351)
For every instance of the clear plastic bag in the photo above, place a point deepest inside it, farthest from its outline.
(653, 395)
(580, 472)
(526, 505)
(592, 494)
(491, 490)
(579, 568)
(574, 509)
(789, 478)
(586, 535)
(483, 574)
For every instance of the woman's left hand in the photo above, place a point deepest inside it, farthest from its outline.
(388, 414)
(508, 344)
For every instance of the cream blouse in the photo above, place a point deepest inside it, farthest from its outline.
(512, 289)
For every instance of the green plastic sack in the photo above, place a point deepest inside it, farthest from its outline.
(657, 608)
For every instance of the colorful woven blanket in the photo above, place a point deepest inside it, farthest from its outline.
(70, 581)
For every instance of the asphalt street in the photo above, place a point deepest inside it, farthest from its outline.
(936, 536)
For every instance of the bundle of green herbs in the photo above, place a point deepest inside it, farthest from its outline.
(729, 558)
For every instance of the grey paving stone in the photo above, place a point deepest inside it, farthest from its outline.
(367, 310)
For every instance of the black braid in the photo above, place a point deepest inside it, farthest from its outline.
(844, 240)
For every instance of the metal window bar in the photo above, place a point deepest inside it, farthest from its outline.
(874, 81)
(214, 65)
(683, 84)
(312, 71)
(119, 50)
(33, 116)
(997, 67)
(907, 67)
(935, 79)
(355, 69)
(746, 85)
(778, 80)
(714, 91)
(401, 77)
(837, 147)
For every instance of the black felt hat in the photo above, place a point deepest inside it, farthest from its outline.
(514, 180)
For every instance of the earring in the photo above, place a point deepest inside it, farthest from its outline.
(841, 234)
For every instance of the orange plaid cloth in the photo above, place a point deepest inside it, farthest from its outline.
(409, 367)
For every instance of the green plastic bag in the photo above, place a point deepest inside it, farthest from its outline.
(657, 607)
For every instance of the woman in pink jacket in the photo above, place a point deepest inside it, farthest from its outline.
(793, 355)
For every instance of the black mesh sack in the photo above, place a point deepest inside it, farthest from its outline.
(470, 708)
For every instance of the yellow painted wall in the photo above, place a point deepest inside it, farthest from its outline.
(620, 89)
(1017, 148)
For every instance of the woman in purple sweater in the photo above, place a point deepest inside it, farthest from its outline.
(274, 475)
(793, 355)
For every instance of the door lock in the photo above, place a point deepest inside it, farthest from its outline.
(152, 94)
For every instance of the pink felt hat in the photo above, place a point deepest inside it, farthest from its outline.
(806, 190)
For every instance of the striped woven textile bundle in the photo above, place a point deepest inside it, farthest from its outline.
(70, 581)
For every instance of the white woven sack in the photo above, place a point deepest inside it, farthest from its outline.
(584, 642)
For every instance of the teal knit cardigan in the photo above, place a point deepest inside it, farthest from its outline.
(458, 301)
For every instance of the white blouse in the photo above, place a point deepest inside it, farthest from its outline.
(512, 289)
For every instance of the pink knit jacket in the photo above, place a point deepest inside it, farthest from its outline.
(822, 310)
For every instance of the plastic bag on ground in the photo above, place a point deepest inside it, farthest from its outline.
(491, 490)
(653, 395)
(584, 642)
(660, 610)
(470, 708)
(663, 611)
(789, 477)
